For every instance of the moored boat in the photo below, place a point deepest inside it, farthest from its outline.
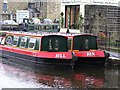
(43, 48)
(48, 48)
(86, 50)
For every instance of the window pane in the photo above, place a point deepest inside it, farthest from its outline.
(32, 42)
(23, 42)
(31, 45)
(15, 41)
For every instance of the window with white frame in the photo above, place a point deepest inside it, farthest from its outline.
(31, 43)
(23, 42)
(15, 40)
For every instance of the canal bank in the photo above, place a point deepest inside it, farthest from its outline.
(114, 59)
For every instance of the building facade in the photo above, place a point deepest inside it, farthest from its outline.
(74, 8)
(8, 9)
(99, 16)
(40, 9)
(53, 10)
(49, 9)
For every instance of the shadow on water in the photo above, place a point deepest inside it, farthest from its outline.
(80, 77)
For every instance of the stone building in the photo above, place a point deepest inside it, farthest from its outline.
(99, 16)
(33, 10)
(53, 10)
(8, 9)
(49, 9)
(41, 7)
(38, 9)
(102, 18)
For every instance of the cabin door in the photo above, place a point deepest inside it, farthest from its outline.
(84, 42)
(54, 43)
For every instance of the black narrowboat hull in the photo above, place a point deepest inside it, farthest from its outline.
(91, 61)
(33, 62)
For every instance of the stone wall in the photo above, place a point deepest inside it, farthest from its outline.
(13, 6)
(53, 10)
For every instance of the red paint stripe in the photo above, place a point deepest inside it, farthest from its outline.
(96, 53)
(41, 54)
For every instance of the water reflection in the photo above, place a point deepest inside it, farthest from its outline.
(84, 77)
(13, 77)
(112, 78)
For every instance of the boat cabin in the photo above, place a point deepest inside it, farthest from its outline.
(41, 42)
(53, 27)
(52, 42)
(82, 42)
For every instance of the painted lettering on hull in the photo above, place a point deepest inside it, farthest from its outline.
(90, 54)
(60, 56)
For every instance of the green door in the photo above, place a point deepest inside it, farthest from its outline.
(84, 42)
(54, 43)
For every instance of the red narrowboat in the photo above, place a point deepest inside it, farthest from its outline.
(31, 48)
(85, 49)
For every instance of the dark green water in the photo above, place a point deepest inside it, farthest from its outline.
(17, 76)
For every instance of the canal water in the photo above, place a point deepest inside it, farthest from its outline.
(18, 76)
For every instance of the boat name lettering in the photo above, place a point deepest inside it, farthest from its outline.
(90, 54)
(60, 56)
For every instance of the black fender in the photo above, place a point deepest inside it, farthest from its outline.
(74, 58)
(107, 55)
(108, 61)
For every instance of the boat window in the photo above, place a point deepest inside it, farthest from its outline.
(42, 27)
(55, 27)
(84, 42)
(31, 27)
(54, 43)
(15, 40)
(9, 40)
(32, 42)
(23, 42)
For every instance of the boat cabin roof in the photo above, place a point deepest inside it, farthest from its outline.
(40, 34)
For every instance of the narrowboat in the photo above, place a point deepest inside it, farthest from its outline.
(85, 48)
(52, 48)
(31, 48)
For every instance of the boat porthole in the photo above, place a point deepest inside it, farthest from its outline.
(9, 40)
